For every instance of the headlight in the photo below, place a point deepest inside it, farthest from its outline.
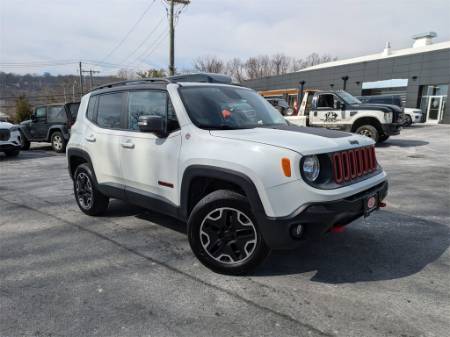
(311, 168)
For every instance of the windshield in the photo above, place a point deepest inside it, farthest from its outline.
(223, 107)
(348, 99)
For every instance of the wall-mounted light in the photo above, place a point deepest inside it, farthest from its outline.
(332, 85)
(414, 78)
(358, 82)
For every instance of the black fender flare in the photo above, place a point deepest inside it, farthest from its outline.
(81, 154)
(59, 128)
(235, 177)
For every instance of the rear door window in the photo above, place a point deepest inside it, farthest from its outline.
(109, 114)
(56, 114)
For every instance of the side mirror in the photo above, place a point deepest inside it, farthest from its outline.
(153, 123)
(33, 117)
(338, 105)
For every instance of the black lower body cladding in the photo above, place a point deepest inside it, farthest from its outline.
(391, 129)
(316, 218)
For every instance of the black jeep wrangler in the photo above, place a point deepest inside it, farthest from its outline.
(50, 123)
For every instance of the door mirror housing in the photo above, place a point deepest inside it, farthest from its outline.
(153, 123)
(33, 117)
(338, 105)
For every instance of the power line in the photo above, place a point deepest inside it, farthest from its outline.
(144, 41)
(129, 32)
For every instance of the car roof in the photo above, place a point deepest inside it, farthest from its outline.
(162, 83)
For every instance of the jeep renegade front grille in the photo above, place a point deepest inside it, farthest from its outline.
(4, 134)
(353, 164)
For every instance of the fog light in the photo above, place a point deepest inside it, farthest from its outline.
(297, 231)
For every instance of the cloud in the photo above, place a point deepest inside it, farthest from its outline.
(45, 30)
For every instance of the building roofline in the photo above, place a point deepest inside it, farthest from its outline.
(380, 56)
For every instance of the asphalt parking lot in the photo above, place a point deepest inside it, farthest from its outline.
(131, 272)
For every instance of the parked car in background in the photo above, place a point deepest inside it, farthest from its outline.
(10, 139)
(222, 159)
(50, 123)
(412, 115)
(281, 105)
(341, 111)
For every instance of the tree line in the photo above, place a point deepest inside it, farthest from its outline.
(258, 66)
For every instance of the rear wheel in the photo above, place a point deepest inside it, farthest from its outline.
(58, 142)
(383, 138)
(369, 131)
(88, 198)
(408, 120)
(224, 235)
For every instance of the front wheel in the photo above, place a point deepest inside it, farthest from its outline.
(224, 235)
(369, 131)
(25, 143)
(88, 198)
(12, 153)
(58, 142)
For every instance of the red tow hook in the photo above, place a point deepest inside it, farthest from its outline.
(382, 204)
(337, 229)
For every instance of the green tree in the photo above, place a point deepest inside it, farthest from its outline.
(23, 109)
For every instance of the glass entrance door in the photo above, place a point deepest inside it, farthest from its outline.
(434, 111)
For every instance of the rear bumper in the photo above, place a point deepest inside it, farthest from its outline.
(316, 218)
(391, 129)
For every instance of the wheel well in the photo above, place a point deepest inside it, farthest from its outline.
(51, 132)
(202, 186)
(74, 162)
(367, 121)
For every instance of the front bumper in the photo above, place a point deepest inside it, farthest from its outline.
(9, 146)
(316, 218)
(391, 129)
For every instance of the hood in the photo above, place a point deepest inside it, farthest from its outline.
(373, 106)
(304, 140)
(28, 121)
(6, 125)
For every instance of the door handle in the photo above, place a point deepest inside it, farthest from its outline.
(127, 145)
(90, 138)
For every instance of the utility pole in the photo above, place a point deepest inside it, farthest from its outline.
(172, 4)
(81, 79)
(90, 71)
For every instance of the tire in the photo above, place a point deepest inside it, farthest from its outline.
(383, 138)
(25, 143)
(214, 226)
(58, 142)
(369, 131)
(12, 153)
(408, 121)
(89, 199)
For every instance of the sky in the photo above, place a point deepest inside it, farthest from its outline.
(38, 36)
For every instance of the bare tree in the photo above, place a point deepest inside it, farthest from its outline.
(235, 68)
(280, 64)
(209, 64)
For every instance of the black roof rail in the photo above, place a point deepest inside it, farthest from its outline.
(133, 82)
(202, 77)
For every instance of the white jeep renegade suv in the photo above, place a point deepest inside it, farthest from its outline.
(221, 158)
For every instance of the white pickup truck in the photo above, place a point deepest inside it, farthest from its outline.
(342, 111)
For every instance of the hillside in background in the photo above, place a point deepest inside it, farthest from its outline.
(43, 89)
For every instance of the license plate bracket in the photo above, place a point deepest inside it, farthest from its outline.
(371, 203)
